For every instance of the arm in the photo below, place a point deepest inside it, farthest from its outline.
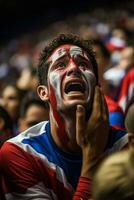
(92, 138)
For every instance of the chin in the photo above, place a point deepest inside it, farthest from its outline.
(77, 101)
(71, 105)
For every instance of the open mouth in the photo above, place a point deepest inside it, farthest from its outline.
(75, 87)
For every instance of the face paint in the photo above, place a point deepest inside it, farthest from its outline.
(56, 76)
(66, 50)
(77, 51)
(70, 56)
(91, 82)
(58, 54)
(54, 85)
(55, 94)
(59, 120)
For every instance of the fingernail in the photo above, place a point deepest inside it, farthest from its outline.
(79, 108)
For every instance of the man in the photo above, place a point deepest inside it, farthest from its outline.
(56, 159)
(11, 98)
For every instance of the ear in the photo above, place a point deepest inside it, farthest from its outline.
(131, 139)
(42, 91)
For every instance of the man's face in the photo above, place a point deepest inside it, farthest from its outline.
(71, 80)
(11, 101)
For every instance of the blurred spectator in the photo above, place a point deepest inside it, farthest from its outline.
(11, 98)
(32, 111)
(22, 57)
(28, 79)
(116, 115)
(117, 40)
(116, 44)
(127, 58)
(115, 74)
(8, 73)
(114, 179)
(103, 60)
(6, 126)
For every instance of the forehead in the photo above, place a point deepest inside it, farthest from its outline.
(67, 49)
(9, 90)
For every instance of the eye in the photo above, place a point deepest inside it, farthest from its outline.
(82, 64)
(61, 65)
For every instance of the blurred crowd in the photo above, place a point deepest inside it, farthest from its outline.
(112, 36)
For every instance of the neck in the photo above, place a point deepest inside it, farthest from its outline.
(64, 131)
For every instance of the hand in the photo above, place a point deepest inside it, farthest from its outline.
(92, 135)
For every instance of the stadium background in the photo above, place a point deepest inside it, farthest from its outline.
(18, 17)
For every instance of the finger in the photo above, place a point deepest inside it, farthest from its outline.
(104, 108)
(80, 118)
(97, 104)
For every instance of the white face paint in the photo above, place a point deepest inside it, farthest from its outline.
(55, 82)
(72, 51)
(91, 82)
(77, 51)
(63, 60)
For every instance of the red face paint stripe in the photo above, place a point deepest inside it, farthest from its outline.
(62, 135)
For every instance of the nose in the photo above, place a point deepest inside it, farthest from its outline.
(73, 69)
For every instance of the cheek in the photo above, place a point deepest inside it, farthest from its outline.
(53, 97)
(90, 77)
(55, 81)
(91, 81)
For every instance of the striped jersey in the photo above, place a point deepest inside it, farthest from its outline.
(33, 167)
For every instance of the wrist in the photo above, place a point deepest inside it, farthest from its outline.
(86, 163)
(84, 189)
(90, 162)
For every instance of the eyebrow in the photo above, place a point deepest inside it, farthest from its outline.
(83, 58)
(60, 58)
(58, 55)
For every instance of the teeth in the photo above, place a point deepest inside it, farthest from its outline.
(74, 86)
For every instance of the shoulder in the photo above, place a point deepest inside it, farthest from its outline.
(33, 131)
(17, 147)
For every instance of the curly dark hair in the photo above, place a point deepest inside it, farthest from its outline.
(62, 39)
